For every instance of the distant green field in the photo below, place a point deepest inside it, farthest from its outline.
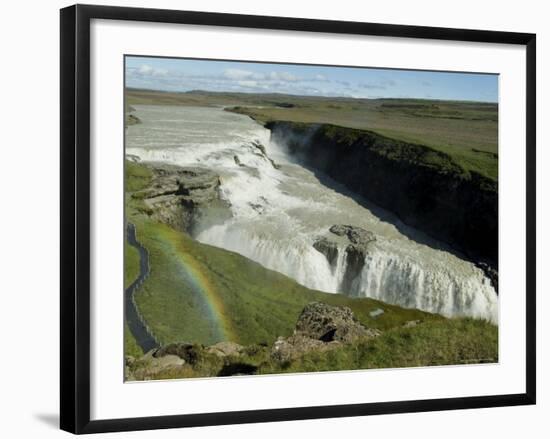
(467, 131)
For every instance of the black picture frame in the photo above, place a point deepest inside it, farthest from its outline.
(75, 217)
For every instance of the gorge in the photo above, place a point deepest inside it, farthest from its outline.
(299, 199)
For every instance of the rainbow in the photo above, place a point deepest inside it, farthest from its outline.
(200, 283)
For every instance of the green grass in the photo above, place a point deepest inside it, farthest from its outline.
(131, 264)
(130, 344)
(433, 343)
(137, 176)
(415, 153)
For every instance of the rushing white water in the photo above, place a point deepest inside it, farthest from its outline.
(279, 213)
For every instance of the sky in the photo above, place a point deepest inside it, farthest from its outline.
(175, 74)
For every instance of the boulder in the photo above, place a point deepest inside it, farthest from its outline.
(376, 312)
(328, 248)
(152, 364)
(286, 349)
(225, 348)
(327, 323)
(320, 327)
(188, 352)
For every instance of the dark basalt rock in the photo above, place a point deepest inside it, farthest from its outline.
(490, 272)
(355, 258)
(328, 248)
(356, 251)
(256, 144)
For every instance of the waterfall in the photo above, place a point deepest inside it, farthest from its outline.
(390, 277)
(279, 209)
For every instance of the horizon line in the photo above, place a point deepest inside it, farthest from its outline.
(308, 96)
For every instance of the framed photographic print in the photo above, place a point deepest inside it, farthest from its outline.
(283, 218)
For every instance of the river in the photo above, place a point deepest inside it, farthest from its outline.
(279, 211)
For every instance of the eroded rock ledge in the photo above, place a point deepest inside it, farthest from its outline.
(179, 196)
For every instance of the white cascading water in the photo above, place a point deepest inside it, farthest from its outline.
(279, 213)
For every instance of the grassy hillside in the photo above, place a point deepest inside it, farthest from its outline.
(252, 304)
(454, 341)
(467, 131)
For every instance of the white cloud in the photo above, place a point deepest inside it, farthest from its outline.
(237, 74)
(147, 70)
(234, 79)
(282, 76)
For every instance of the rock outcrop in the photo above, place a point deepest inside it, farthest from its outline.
(132, 120)
(328, 323)
(262, 152)
(490, 272)
(290, 348)
(178, 196)
(225, 349)
(354, 241)
(357, 236)
(321, 327)
(328, 248)
(188, 352)
(150, 365)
